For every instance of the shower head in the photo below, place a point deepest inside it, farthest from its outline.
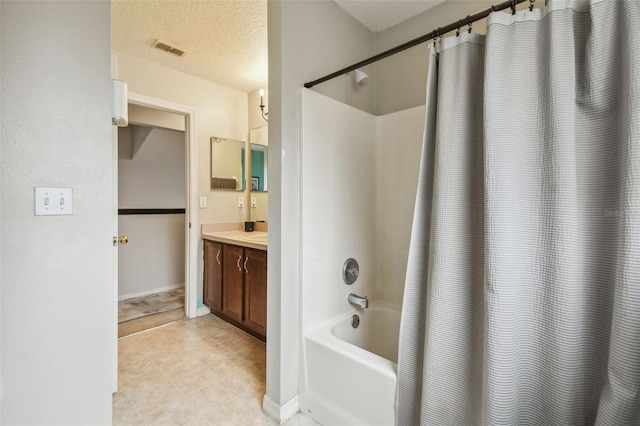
(361, 78)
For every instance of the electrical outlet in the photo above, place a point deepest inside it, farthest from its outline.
(203, 202)
(53, 201)
(253, 201)
(240, 202)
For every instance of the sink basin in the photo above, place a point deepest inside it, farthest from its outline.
(259, 238)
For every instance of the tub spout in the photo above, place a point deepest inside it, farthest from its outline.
(356, 300)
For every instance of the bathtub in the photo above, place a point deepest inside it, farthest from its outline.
(350, 373)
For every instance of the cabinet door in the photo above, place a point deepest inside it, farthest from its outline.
(233, 279)
(255, 290)
(213, 275)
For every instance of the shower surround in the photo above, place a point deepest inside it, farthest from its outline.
(359, 178)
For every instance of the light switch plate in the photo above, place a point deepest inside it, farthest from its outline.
(240, 202)
(53, 201)
(253, 202)
(203, 202)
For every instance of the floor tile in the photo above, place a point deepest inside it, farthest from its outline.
(193, 372)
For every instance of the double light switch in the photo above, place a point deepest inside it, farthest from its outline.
(53, 201)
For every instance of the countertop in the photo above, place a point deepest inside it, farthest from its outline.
(238, 238)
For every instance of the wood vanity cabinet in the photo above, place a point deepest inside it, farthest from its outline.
(255, 290)
(233, 282)
(236, 285)
(213, 274)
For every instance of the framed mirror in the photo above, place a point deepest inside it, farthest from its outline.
(227, 164)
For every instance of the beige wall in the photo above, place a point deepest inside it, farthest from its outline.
(398, 148)
(155, 177)
(253, 110)
(153, 117)
(397, 82)
(57, 333)
(400, 80)
(154, 258)
(220, 111)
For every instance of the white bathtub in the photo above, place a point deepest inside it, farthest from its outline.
(350, 374)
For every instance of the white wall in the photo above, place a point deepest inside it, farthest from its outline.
(359, 180)
(57, 283)
(338, 200)
(306, 40)
(220, 111)
(154, 258)
(359, 177)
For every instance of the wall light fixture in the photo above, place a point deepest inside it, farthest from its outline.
(265, 115)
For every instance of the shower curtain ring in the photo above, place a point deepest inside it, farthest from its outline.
(469, 23)
(513, 7)
(531, 2)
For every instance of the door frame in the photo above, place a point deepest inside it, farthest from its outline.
(191, 205)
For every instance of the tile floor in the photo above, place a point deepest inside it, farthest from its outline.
(194, 372)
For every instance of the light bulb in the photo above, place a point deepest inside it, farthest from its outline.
(261, 92)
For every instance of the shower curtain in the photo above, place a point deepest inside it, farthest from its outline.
(522, 294)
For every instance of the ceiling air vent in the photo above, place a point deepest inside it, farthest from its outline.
(168, 48)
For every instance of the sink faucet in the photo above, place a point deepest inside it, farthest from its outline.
(356, 300)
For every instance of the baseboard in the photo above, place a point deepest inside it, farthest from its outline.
(281, 413)
(145, 293)
(202, 311)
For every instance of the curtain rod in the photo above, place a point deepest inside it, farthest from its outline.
(429, 36)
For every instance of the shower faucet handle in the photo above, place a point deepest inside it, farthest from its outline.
(350, 271)
(353, 272)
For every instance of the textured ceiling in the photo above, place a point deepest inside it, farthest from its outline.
(378, 15)
(225, 41)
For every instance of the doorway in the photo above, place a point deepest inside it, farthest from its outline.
(151, 217)
(189, 225)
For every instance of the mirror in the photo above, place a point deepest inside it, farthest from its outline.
(259, 158)
(227, 164)
(228, 169)
(258, 167)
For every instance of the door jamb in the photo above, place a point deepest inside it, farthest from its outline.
(191, 225)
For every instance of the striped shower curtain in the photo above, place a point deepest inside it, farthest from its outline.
(522, 294)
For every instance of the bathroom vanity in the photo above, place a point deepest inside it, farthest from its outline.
(235, 278)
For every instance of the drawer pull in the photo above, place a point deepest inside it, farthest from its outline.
(245, 265)
(218, 257)
(238, 263)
